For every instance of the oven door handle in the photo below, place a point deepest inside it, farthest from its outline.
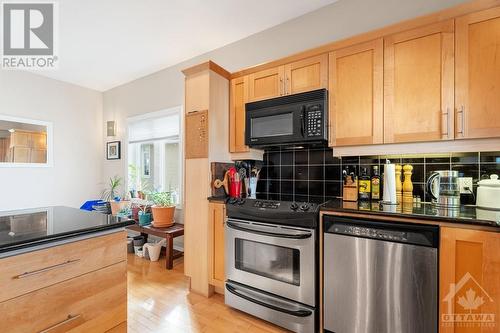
(268, 233)
(295, 313)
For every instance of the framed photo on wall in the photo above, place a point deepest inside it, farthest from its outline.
(113, 151)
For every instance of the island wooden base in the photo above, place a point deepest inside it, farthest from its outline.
(75, 287)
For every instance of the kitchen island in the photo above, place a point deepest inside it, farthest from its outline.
(62, 270)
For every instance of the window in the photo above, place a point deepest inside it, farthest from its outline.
(155, 152)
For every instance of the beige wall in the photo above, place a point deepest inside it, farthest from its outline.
(76, 114)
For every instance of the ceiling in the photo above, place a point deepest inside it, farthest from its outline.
(103, 44)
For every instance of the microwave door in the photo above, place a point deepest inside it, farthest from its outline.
(274, 126)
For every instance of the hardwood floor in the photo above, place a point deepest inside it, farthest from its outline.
(159, 301)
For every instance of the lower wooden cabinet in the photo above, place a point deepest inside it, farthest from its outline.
(31, 271)
(469, 281)
(217, 215)
(93, 302)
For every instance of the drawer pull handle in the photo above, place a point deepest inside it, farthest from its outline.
(67, 320)
(27, 274)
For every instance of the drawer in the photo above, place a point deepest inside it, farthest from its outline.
(31, 271)
(94, 302)
(122, 328)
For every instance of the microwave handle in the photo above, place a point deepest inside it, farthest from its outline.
(303, 120)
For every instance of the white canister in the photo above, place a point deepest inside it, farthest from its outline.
(488, 193)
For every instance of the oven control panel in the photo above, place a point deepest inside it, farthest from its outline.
(266, 204)
(314, 121)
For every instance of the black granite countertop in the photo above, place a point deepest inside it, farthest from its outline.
(25, 228)
(469, 215)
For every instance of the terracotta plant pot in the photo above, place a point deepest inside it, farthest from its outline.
(116, 206)
(163, 216)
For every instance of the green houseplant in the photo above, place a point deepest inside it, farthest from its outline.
(144, 214)
(163, 209)
(110, 194)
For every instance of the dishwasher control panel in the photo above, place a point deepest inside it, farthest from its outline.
(392, 235)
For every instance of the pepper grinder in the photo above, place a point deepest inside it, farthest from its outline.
(399, 185)
(407, 184)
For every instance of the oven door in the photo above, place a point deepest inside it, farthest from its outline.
(277, 259)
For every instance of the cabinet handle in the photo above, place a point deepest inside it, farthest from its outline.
(461, 111)
(446, 115)
(38, 271)
(69, 319)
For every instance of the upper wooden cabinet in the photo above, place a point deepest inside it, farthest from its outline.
(356, 95)
(419, 84)
(265, 84)
(478, 74)
(299, 76)
(469, 271)
(237, 99)
(306, 75)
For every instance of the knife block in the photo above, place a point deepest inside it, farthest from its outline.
(350, 190)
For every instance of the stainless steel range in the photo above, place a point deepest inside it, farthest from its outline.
(271, 261)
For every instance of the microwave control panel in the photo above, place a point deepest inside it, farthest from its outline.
(314, 121)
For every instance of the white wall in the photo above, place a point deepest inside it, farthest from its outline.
(342, 19)
(76, 114)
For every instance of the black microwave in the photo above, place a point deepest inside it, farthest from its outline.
(299, 119)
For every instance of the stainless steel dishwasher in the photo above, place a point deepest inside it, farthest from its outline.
(379, 276)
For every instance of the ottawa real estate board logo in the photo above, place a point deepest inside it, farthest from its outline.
(29, 32)
(468, 305)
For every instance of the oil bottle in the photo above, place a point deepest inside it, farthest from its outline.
(375, 184)
(364, 188)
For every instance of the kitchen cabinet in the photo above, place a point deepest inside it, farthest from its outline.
(469, 273)
(64, 289)
(477, 66)
(356, 95)
(265, 84)
(292, 78)
(237, 99)
(216, 243)
(306, 75)
(419, 84)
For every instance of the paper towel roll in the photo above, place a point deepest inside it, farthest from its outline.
(389, 184)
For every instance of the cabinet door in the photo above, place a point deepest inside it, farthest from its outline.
(216, 262)
(356, 95)
(20, 139)
(20, 154)
(419, 84)
(39, 140)
(469, 279)
(265, 84)
(478, 74)
(306, 75)
(237, 100)
(38, 156)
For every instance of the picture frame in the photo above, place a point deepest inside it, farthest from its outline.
(113, 150)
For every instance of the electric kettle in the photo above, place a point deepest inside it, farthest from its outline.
(443, 188)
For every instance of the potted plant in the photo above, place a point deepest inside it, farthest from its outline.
(111, 195)
(163, 209)
(144, 214)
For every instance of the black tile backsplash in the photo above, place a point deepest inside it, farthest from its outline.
(315, 175)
